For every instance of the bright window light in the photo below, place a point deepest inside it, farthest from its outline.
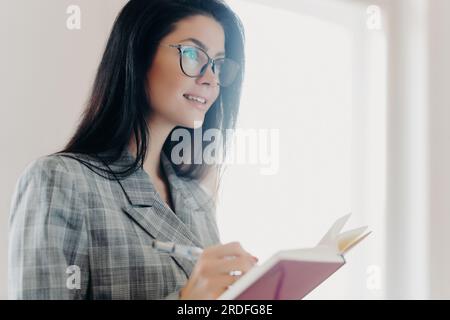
(300, 80)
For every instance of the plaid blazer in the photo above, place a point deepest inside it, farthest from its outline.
(77, 235)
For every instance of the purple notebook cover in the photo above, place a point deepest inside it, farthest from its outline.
(290, 280)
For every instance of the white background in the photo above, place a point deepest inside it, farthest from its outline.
(363, 119)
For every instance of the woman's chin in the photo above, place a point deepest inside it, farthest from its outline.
(194, 123)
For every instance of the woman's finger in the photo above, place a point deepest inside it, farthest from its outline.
(232, 249)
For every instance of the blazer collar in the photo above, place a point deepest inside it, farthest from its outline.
(140, 189)
(152, 214)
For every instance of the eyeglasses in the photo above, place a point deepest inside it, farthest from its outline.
(194, 61)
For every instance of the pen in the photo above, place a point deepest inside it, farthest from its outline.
(188, 252)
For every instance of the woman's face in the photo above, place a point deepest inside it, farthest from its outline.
(167, 85)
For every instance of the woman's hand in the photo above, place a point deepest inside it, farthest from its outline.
(211, 274)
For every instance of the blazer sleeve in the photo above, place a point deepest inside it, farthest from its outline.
(48, 237)
(173, 296)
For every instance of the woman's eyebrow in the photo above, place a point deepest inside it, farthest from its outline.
(201, 45)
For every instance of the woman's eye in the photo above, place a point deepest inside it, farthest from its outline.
(191, 54)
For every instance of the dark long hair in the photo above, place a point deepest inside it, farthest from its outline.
(118, 107)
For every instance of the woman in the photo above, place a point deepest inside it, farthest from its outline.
(83, 219)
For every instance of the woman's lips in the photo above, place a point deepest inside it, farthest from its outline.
(196, 96)
(198, 105)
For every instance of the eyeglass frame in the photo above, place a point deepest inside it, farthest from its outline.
(211, 61)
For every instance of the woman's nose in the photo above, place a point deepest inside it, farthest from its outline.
(209, 77)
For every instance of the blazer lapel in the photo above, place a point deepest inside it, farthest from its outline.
(150, 212)
(160, 228)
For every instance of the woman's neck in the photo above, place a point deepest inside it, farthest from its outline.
(159, 130)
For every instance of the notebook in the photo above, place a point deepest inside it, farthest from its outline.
(292, 274)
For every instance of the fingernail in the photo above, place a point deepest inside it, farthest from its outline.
(255, 258)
